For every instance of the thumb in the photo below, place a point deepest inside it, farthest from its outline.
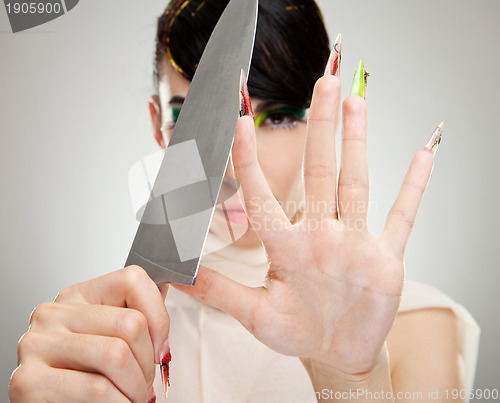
(163, 290)
(241, 302)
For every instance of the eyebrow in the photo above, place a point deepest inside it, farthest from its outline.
(265, 106)
(176, 100)
(262, 107)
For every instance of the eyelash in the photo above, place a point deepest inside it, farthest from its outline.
(296, 115)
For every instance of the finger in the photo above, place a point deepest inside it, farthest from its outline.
(109, 356)
(263, 210)
(130, 287)
(354, 184)
(402, 216)
(320, 164)
(163, 290)
(125, 323)
(37, 383)
(237, 300)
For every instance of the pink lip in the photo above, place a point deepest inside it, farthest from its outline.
(233, 213)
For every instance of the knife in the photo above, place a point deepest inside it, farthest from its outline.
(174, 226)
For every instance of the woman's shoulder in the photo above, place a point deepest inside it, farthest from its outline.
(424, 303)
(430, 322)
(418, 295)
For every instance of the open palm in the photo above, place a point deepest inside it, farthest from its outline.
(332, 290)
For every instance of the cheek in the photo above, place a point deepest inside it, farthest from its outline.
(280, 154)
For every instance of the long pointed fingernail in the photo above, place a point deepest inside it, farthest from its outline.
(360, 80)
(245, 104)
(433, 143)
(151, 395)
(165, 358)
(333, 65)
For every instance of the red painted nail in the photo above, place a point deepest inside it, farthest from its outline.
(333, 65)
(245, 104)
(165, 358)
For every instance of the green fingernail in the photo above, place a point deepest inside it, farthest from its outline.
(360, 80)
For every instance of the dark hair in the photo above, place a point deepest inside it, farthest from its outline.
(291, 45)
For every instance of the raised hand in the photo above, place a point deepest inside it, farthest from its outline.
(332, 290)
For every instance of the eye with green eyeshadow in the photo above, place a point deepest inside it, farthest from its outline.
(284, 117)
(174, 113)
(173, 110)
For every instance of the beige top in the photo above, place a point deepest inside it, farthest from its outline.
(216, 360)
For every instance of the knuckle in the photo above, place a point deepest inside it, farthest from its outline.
(318, 171)
(132, 325)
(28, 343)
(99, 389)
(66, 293)
(403, 217)
(24, 383)
(42, 313)
(134, 274)
(116, 353)
(18, 384)
(244, 163)
(354, 183)
(414, 186)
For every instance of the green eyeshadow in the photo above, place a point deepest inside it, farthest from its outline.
(175, 111)
(289, 110)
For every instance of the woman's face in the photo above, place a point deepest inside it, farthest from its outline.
(280, 135)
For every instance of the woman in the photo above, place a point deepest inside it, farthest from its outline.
(331, 291)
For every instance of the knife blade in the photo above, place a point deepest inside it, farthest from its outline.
(176, 220)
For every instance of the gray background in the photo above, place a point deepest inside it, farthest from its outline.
(74, 118)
